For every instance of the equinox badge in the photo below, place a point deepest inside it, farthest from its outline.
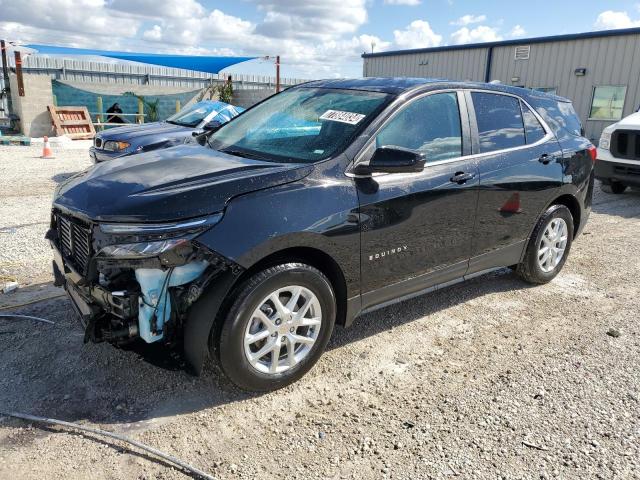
(386, 253)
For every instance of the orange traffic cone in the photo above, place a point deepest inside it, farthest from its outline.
(46, 150)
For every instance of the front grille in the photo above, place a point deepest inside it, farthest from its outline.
(97, 142)
(75, 241)
(626, 144)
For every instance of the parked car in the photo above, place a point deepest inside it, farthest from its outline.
(618, 164)
(251, 251)
(175, 130)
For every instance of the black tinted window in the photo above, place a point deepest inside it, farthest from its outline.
(532, 126)
(560, 116)
(499, 121)
(430, 125)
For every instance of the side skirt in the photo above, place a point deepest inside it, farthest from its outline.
(415, 287)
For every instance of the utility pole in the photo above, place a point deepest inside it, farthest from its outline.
(277, 73)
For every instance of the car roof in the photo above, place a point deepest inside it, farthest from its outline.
(400, 85)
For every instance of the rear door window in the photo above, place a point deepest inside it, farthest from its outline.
(533, 128)
(499, 119)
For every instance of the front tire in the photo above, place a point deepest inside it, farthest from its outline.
(277, 327)
(548, 246)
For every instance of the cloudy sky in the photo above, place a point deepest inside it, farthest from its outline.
(316, 38)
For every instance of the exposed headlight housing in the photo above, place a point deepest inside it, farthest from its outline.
(146, 240)
(115, 146)
(605, 140)
(141, 249)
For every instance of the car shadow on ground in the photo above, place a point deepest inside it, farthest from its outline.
(49, 371)
(610, 204)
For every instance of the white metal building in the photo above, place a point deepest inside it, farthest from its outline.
(598, 71)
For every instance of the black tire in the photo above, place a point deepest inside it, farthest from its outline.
(614, 187)
(248, 296)
(529, 269)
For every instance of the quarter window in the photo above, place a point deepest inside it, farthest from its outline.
(499, 121)
(533, 129)
(430, 125)
(607, 102)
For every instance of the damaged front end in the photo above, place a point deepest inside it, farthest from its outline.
(129, 281)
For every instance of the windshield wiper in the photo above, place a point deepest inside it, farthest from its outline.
(239, 153)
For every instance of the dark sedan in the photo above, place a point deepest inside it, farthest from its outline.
(177, 129)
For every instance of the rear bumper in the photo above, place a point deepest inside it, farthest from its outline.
(626, 172)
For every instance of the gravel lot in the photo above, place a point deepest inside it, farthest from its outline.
(487, 379)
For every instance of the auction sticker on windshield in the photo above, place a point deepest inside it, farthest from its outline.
(339, 116)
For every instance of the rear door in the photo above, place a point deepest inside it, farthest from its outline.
(520, 164)
(416, 227)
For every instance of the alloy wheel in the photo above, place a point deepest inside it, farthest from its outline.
(553, 244)
(283, 329)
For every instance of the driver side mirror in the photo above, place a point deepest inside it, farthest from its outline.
(392, 159)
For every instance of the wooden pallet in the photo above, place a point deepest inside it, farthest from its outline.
(14, 140)
(74, 122)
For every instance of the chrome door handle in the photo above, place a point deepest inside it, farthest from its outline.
(462, 177)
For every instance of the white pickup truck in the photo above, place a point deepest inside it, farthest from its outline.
(618, 160)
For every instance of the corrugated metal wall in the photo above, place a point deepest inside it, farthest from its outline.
(457, 64)
(610, 60)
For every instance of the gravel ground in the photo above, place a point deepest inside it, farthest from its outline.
(488, 379)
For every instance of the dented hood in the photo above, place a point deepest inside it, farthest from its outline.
(165, 185)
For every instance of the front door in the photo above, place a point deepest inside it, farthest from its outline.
(416, 228)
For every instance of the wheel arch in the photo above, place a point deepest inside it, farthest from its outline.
(311, 256)
(572, 203)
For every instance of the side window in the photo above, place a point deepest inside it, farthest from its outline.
(430, 125)
(499, 121)
(533, 129)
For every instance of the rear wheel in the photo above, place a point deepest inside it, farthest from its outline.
(277, 327)
(548, 246)
(614, 187)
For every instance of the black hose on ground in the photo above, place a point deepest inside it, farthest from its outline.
(51, 421)
(27, 317)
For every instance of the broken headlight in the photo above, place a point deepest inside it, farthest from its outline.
(144, 240)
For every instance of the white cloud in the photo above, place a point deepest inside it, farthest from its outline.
(311, 18)
(154, 34)
(610, 20)
(411, 3)
(159, 8)
(418, 34)
(468, 20)
(69, 16)
(481, 33)
(517, 31)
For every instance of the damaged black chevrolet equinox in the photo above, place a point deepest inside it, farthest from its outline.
(324, 201)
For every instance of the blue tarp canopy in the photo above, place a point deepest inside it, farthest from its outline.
(188, 62)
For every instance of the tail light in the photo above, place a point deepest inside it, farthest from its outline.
(593, 153)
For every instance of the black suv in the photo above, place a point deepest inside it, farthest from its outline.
(324, 201)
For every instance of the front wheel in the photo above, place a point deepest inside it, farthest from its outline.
(548, 246)
(277, 327)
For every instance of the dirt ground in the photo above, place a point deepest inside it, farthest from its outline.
(489, 379)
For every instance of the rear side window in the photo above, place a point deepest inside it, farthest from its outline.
(533, 129)
(499, 119)
(560, 116)
(429, 124)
